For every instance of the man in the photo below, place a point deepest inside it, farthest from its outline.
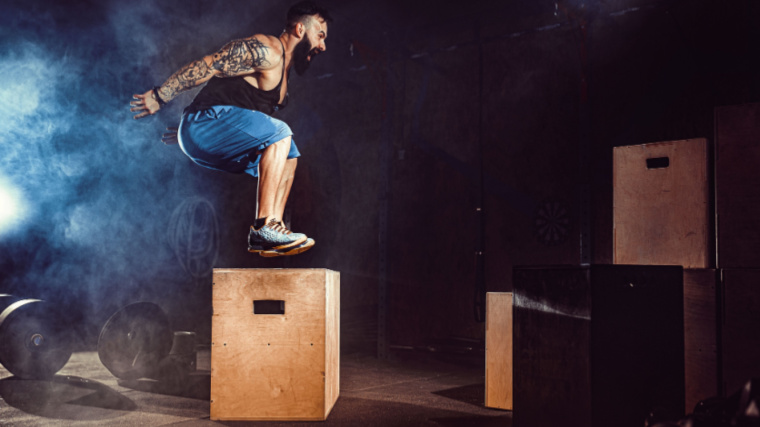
(229, 125)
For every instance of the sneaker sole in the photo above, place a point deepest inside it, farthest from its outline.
(278, 248)
(287, 252)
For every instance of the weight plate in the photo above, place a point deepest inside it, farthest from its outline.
(134, 340)
(35, 342)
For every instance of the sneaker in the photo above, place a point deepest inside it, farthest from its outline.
(273, 236)
(295, 250)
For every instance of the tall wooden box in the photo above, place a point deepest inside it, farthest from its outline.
(741, 328)
(661, 204)
(275, 344)
(597, 346)
(737, 179)
(499, 350)
(701, 305)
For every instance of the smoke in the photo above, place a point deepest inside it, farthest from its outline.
(30, 123)
(92, 194)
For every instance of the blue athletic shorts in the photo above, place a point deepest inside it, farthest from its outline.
(231, 139)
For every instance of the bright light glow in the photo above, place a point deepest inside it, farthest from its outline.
(11, 207)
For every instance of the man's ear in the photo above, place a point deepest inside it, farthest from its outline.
(300, 29)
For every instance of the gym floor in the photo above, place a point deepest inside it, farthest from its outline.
(411, 390)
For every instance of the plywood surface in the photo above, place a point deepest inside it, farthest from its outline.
(661, 214)
(700, 335)
(737, 176)
(332, 340)
(597, 346)
(552, 337)
(274, 366)
(499, 350)
(741, 340)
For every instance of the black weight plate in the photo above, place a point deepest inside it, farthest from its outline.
(134, 340)
(35, 342)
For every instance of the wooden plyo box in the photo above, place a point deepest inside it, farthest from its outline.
(661, 204)
(597, 346)
(499, 350)
(275, 342)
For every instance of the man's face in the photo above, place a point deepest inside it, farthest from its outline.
(311, 45)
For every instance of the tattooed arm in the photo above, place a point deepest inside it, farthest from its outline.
(236, 58)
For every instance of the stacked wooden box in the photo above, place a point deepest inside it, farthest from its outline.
(737, 199)
(661, 212)
(706, 219)
(597, 346)
(678, 205)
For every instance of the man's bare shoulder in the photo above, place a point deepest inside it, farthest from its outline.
(269, 41)
(268, 46)
(247, 55)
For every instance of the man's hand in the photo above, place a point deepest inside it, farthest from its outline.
(170, 137)
(146, 103)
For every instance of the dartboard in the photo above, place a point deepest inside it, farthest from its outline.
(552, 222)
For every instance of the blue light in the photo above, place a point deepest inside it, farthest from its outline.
(12, 207)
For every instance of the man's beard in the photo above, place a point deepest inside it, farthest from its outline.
(301, 56)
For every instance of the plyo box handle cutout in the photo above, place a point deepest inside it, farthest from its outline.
(658, 162)
(267, 306)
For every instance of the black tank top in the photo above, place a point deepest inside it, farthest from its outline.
(237, 92)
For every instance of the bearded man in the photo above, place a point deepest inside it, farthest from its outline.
(229, 125)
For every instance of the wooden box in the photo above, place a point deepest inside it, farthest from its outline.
(597, 346)
(661, 204)
(701, 294)
(737, 179)
(741, 326)
(499, 350)
(275, 344)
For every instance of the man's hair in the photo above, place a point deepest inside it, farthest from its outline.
(303, 9)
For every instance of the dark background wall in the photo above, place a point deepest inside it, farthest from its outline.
(443, 143)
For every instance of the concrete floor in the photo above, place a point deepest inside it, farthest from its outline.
(412, 392)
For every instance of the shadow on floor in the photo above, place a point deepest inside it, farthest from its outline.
(64, 397)
(351, 411)
(194, 386)
(500, 421)
(474, 394)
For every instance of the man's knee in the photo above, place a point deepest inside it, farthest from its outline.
(279, 146)
(285, 142)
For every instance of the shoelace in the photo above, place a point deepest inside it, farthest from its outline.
(279, 226)
(287, 230)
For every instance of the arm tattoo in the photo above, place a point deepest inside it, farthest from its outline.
(241, 57)
(236, 58)
(189, 76)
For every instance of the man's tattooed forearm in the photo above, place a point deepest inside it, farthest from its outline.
(187, 77)
(241, 57)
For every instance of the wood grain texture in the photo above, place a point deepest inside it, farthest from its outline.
(700, 325)
(737, 130)
(660, 215)
(597, 346)
(499, 350)
(332, 340)
(269, 366)
(741, 340)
